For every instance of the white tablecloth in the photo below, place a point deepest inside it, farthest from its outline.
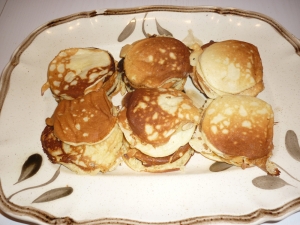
(18, 18)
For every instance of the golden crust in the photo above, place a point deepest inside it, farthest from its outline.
(84, 159)
(155, 114)
(73, 70)
(157, 62)
(239, 126)
(85, 120)
(237, 130)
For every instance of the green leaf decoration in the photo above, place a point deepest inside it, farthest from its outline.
(268, 182)
(128, 30)
(54, 194)
(30, 167)
(219, 166)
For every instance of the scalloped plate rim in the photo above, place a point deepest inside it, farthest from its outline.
(259, 215)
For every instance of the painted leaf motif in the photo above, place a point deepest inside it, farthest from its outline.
(269, 182)
(128, 30)
(30, 167)
(161, 30)
(54, 194)
(292, 144)
(219, 166)
(143, 25)
(282, 169)
(41, 185)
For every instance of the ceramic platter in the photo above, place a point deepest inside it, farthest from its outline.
(198, 194)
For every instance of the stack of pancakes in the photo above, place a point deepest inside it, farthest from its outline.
(83, 133)
(236, 126)
(158, 127)
(157, 118)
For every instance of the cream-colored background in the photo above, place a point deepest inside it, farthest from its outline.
(18, 18)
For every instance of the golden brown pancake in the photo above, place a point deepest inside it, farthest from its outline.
(85, 120)
(157, 62)
(158, 122)
(237, 129)
(73, 70)
(83, 134)
(228, 67)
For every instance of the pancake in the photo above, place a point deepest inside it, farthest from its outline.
(158, 122)
(157, 62)
(112, 85)
(140, 162)
(228, 67)
(73, 70)
(238, 130)
(85, 120)
(84, 159)
(83, 134)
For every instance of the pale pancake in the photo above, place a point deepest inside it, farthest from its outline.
(228, 67)
(231, 66)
